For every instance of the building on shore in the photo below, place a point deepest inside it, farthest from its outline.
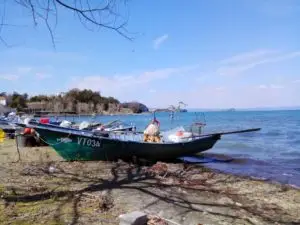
(3, 100)
(33, 107)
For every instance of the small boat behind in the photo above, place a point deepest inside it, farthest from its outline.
(114, 126)
(9, 127)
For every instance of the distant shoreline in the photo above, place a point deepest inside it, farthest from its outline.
(243, 109)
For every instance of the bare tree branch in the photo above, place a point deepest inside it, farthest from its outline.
(92, 14)
(3, 24)
(33, 12)
(87, 14)
(47, 23)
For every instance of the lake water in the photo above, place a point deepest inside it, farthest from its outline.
(272, 153)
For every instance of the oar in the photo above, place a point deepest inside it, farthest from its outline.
(227, 132)
(109, 123)
(241, 131)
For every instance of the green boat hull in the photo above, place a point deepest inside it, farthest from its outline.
(84, 146)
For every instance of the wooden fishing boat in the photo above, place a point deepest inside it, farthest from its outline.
(87, 145)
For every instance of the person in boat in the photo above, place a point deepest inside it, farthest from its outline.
(151, 133)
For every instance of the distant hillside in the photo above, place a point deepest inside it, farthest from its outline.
(74, 101)
(136, 107)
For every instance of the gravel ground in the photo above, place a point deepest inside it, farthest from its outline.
(41, 188)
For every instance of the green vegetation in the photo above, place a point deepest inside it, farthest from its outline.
(136, 107)
(16, 100)
(40, 98)
(87, 96)
(83, 96)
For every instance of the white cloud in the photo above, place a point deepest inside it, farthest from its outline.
(236, 97)
(201, 78)
(42, 76)
(159, 41)
(276, 86)
(270, 86)
(296, 81)
(118, 85)
(24, 69)
(248, 56)
(220, 89)
(9, 77)
(246, 61)
(262, 86)
(23, 72)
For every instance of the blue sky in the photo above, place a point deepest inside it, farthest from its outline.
(210, 54)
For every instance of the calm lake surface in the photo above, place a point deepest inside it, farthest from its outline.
(272, 153)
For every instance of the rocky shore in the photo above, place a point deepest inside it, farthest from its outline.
(41, 188)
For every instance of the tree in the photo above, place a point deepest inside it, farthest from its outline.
(113, 100)
(92, 14)
(39, 98)
(18, 101)
(25, 96)
(136, 107)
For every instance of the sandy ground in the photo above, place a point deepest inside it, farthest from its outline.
(43, 189)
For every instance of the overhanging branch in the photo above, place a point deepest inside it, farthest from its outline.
(98, 14)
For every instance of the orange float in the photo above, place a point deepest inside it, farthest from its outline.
(27, 130)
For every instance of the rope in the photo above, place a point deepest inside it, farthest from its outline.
(18, 150)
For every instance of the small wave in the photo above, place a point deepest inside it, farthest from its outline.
(237, 159)
(296, 142)
(293, 134)
(273, 133)
(288, 174)
(250, 134)
(252, 162)
(236, 145)
(294, 186)
(291, 153)
(259, 178)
